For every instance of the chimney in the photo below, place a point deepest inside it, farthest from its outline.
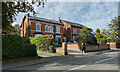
(59, 20)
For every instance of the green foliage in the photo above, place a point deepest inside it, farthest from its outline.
(84, 34)
(115, 25)
(108, 39)
(98, 30)
(112, 36)
(91, 40)
(103, 32)
(103, 40)
(85, 37)
(117, 41)
(98, 36)
(12, 9)
(14, 46)
(43, 43)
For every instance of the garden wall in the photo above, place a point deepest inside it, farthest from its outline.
(104, 46)
(114, 45)
(91, 47)
(73, 45)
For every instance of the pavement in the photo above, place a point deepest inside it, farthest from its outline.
(54, 59)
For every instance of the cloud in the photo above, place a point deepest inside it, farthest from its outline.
(91, 14)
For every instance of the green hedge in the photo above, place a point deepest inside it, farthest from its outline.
(43, 43)
(14, 46)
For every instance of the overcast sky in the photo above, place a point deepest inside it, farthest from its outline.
(91, 14)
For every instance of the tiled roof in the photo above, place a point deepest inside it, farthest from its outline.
(44, 20)
(74, 24)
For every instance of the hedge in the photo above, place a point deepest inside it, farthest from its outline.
(43, 43)
(14, 46)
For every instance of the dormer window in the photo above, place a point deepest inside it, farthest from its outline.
(51, 29)
(58, 29)
(38, 27)
(46, 28)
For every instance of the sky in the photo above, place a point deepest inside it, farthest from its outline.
(91, 14)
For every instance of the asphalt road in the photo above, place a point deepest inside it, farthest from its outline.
(88, 61)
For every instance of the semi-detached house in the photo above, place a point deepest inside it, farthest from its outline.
(60, 30)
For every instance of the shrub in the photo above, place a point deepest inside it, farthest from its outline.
(14, 46)
(43, 43)
(108, 39)
(103, 41)
(91, 40)
(117, 41)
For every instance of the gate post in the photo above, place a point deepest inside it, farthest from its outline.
(64, 48)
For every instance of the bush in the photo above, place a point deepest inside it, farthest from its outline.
(108, 39)
(117, 41)
(103, 41)
(43, 43)
(14, 46)
(91, 40)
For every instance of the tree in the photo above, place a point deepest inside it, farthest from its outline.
(84, 33)
(17, 29)
(98, 36)
(11, 9)
(97, 31)
(112, 36)
(103, 32)
(115, 25)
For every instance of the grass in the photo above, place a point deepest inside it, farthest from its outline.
(21, 60)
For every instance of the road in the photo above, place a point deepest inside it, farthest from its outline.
(88, 61)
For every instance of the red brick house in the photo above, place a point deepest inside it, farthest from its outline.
(60, 30)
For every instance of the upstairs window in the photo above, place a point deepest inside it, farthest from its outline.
(51, 29)
(58, 29)
(74, 30)
(38, 27)
(46, 29)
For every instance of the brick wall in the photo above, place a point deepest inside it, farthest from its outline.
(112, 45)
(104, 46)
(118, 45)
(91, 48)
(73, 45)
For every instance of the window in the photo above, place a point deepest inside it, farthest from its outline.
(74, 37)
(51, 29)
(46, 29)
(79, 31)
(58, 29)
(74, 30)
(38, 27)
(58, 38)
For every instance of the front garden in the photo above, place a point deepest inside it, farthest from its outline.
(17, 49)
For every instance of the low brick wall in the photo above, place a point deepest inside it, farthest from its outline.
(92, 48)
(118, 45)
(104, 46)
(73, 45)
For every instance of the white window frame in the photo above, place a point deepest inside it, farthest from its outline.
(36, 27)
(45, 28)
(57, 30)
(52, 29)
(73, 30)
